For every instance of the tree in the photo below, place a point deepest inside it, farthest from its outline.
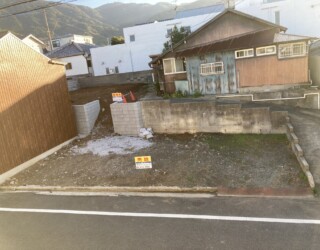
(117, 40)
(176, 36)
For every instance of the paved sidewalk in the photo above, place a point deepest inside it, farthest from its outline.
(306, 123)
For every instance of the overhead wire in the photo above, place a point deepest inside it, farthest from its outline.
(2, 7)
(38, 8)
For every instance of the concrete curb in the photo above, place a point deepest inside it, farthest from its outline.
(97, 189)
(298, 151)
(214, 191)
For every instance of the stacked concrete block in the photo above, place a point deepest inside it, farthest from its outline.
(127, 118)
(86, 116)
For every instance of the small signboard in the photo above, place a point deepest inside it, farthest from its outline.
(117, 97)
(143, 162)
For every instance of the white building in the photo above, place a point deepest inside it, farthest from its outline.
(141, 41)
(63, 40)
(301, 17)
(34, 43)
(76, 56)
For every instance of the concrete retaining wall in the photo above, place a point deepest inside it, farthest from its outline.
(125, 78)
(165, 116)
(86, 116)
(193, 117)
(127, 118)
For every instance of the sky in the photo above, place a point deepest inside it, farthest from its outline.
(96, 3)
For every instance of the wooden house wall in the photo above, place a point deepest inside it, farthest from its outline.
(269, 70)
(169, 81)
(35, 111)
(227, 26)
(212, 84)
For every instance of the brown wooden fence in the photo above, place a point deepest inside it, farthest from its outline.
(35, 110)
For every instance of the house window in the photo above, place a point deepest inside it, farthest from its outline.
(116, 69)
(292, 50)
(245, 53)
(264, 51)
(107, 71)
(68, 66)
(211, 68)
(132, 38)
(172, 66)
(56, 43)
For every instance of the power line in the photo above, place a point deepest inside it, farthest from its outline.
(15, 4)
(38, 8)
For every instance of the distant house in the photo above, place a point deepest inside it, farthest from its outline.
(35, 111)
(66, 39)
(314, 62)
(76, 56)
(35, 43)
(235, 52)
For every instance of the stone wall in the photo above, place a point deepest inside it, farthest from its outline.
(86, 116)
(127, 118)
(125, 78)
(172, 117)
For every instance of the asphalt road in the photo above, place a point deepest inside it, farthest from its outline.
(120, 222)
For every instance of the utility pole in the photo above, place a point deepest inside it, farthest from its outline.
(48, 29)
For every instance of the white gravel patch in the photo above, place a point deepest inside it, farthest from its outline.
(120, 145)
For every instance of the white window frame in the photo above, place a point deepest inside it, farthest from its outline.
(266, 53)
(290, 50)
(207, 69)
(246, 53)
(173, 67)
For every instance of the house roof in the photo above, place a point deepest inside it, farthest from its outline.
(250, 39)
(200, 11)
(32, 37)
(71, 49)
(68, 35)
(281, 37)
(271, 25)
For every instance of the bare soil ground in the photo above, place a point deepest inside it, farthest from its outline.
(207, 160)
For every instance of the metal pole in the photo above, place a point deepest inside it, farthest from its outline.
(48, 29)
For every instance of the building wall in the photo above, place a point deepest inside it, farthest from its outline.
(269, 70)
(110, 57)
(79, 65)
(169, 81)
(35, 110)
(36, 46)
(212, 84)
(314, 64)
(299, 16)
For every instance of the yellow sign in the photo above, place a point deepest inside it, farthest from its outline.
(143, 162)
(117, 97)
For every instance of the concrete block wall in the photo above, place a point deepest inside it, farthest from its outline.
(208, 116)
(127, 118)
(86, 116)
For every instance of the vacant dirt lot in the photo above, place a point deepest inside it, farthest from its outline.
(178, 160)
(207, 160)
